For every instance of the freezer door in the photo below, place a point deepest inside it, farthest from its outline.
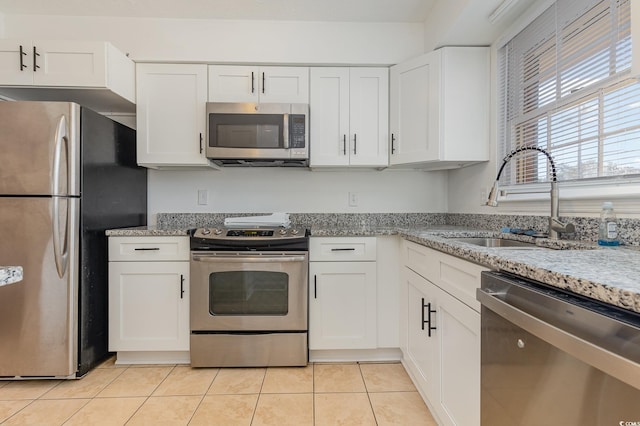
(38, 316)
(40, 148)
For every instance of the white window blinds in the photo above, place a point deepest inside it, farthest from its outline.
(565, 87)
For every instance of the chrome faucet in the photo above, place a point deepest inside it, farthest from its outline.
(555, 225)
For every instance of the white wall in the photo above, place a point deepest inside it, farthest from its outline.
(297, 190)
(199, 40)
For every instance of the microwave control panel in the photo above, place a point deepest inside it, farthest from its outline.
(297, 131)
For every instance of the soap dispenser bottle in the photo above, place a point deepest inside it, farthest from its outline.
(608, 232)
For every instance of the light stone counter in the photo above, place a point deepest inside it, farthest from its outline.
(10, 275)
(602, 273)
(147, 231)
(608, 274)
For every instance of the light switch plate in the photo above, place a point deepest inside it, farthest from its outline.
(353, 199)
(203, 197)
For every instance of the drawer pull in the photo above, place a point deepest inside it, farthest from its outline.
(343, 249)
(147, 249)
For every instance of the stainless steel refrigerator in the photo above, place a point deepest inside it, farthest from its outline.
(66, 175)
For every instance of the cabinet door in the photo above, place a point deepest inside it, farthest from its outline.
(171, 103)
(329, 103)
(149, 306)
(368, 115)
(69, 63)
(13, 70)
(413, 94)
(233, 83)
(342, 305)
(421, 348)
(284, 85)
(458, 358)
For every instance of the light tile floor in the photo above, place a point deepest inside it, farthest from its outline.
(319, 394)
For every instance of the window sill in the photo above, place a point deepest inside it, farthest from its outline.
(576, 198)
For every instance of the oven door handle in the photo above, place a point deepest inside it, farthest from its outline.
(246, 259)
(609, 362)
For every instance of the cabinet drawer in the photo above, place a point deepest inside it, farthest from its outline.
(459, 278)
(342, 249)
(148, 248)
(456, 276)
(419, 259)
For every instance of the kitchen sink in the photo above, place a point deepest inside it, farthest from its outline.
(497, 243)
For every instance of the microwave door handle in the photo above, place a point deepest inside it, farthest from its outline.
(285, 131)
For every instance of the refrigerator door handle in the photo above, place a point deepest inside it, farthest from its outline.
(60, 247)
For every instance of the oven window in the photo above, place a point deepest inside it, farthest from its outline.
(248, 293)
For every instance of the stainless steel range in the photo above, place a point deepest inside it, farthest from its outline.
(249, 297)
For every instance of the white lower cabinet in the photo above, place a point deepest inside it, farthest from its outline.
(440, 332)
(353, 299)
(149, 299)
(342, 305)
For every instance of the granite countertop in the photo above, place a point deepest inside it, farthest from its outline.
(147, 231)
(10, 275)
(608, 274)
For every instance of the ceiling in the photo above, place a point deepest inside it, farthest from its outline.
(299, 10)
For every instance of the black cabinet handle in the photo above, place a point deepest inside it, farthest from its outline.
(201, 143)
(429, 312)
(263, 82)
(181, 286)
(343, 249)
(147, 249)
(428, 321)
(355, 144)
(35, 59)
(344, 144)
(22, 53)
(315, 286)
(393, 139)
(253, 86)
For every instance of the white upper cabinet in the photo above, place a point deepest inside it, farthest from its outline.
(258, 84)
(349, 117)
(440, 109)
(171, 125)
(32, 70)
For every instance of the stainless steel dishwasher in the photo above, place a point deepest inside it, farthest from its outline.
(550, 357)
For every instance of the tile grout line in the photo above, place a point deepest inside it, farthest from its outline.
(204, 395)
(255, 407)
(366, 388)
(148, 396)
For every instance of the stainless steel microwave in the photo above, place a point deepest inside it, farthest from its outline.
(250, 134)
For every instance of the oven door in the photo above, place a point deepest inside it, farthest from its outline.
(249, 291)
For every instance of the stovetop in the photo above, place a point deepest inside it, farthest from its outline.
(254, 238)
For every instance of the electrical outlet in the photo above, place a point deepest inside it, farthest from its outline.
(203, 197)
(353, 199)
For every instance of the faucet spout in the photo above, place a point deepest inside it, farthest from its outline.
(556, 227)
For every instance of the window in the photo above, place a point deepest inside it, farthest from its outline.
(566, 88)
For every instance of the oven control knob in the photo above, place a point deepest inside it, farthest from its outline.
(283, 231)
(218, 231)
(206, 231)
(294, 231)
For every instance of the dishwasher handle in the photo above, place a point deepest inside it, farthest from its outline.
(611, 363)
